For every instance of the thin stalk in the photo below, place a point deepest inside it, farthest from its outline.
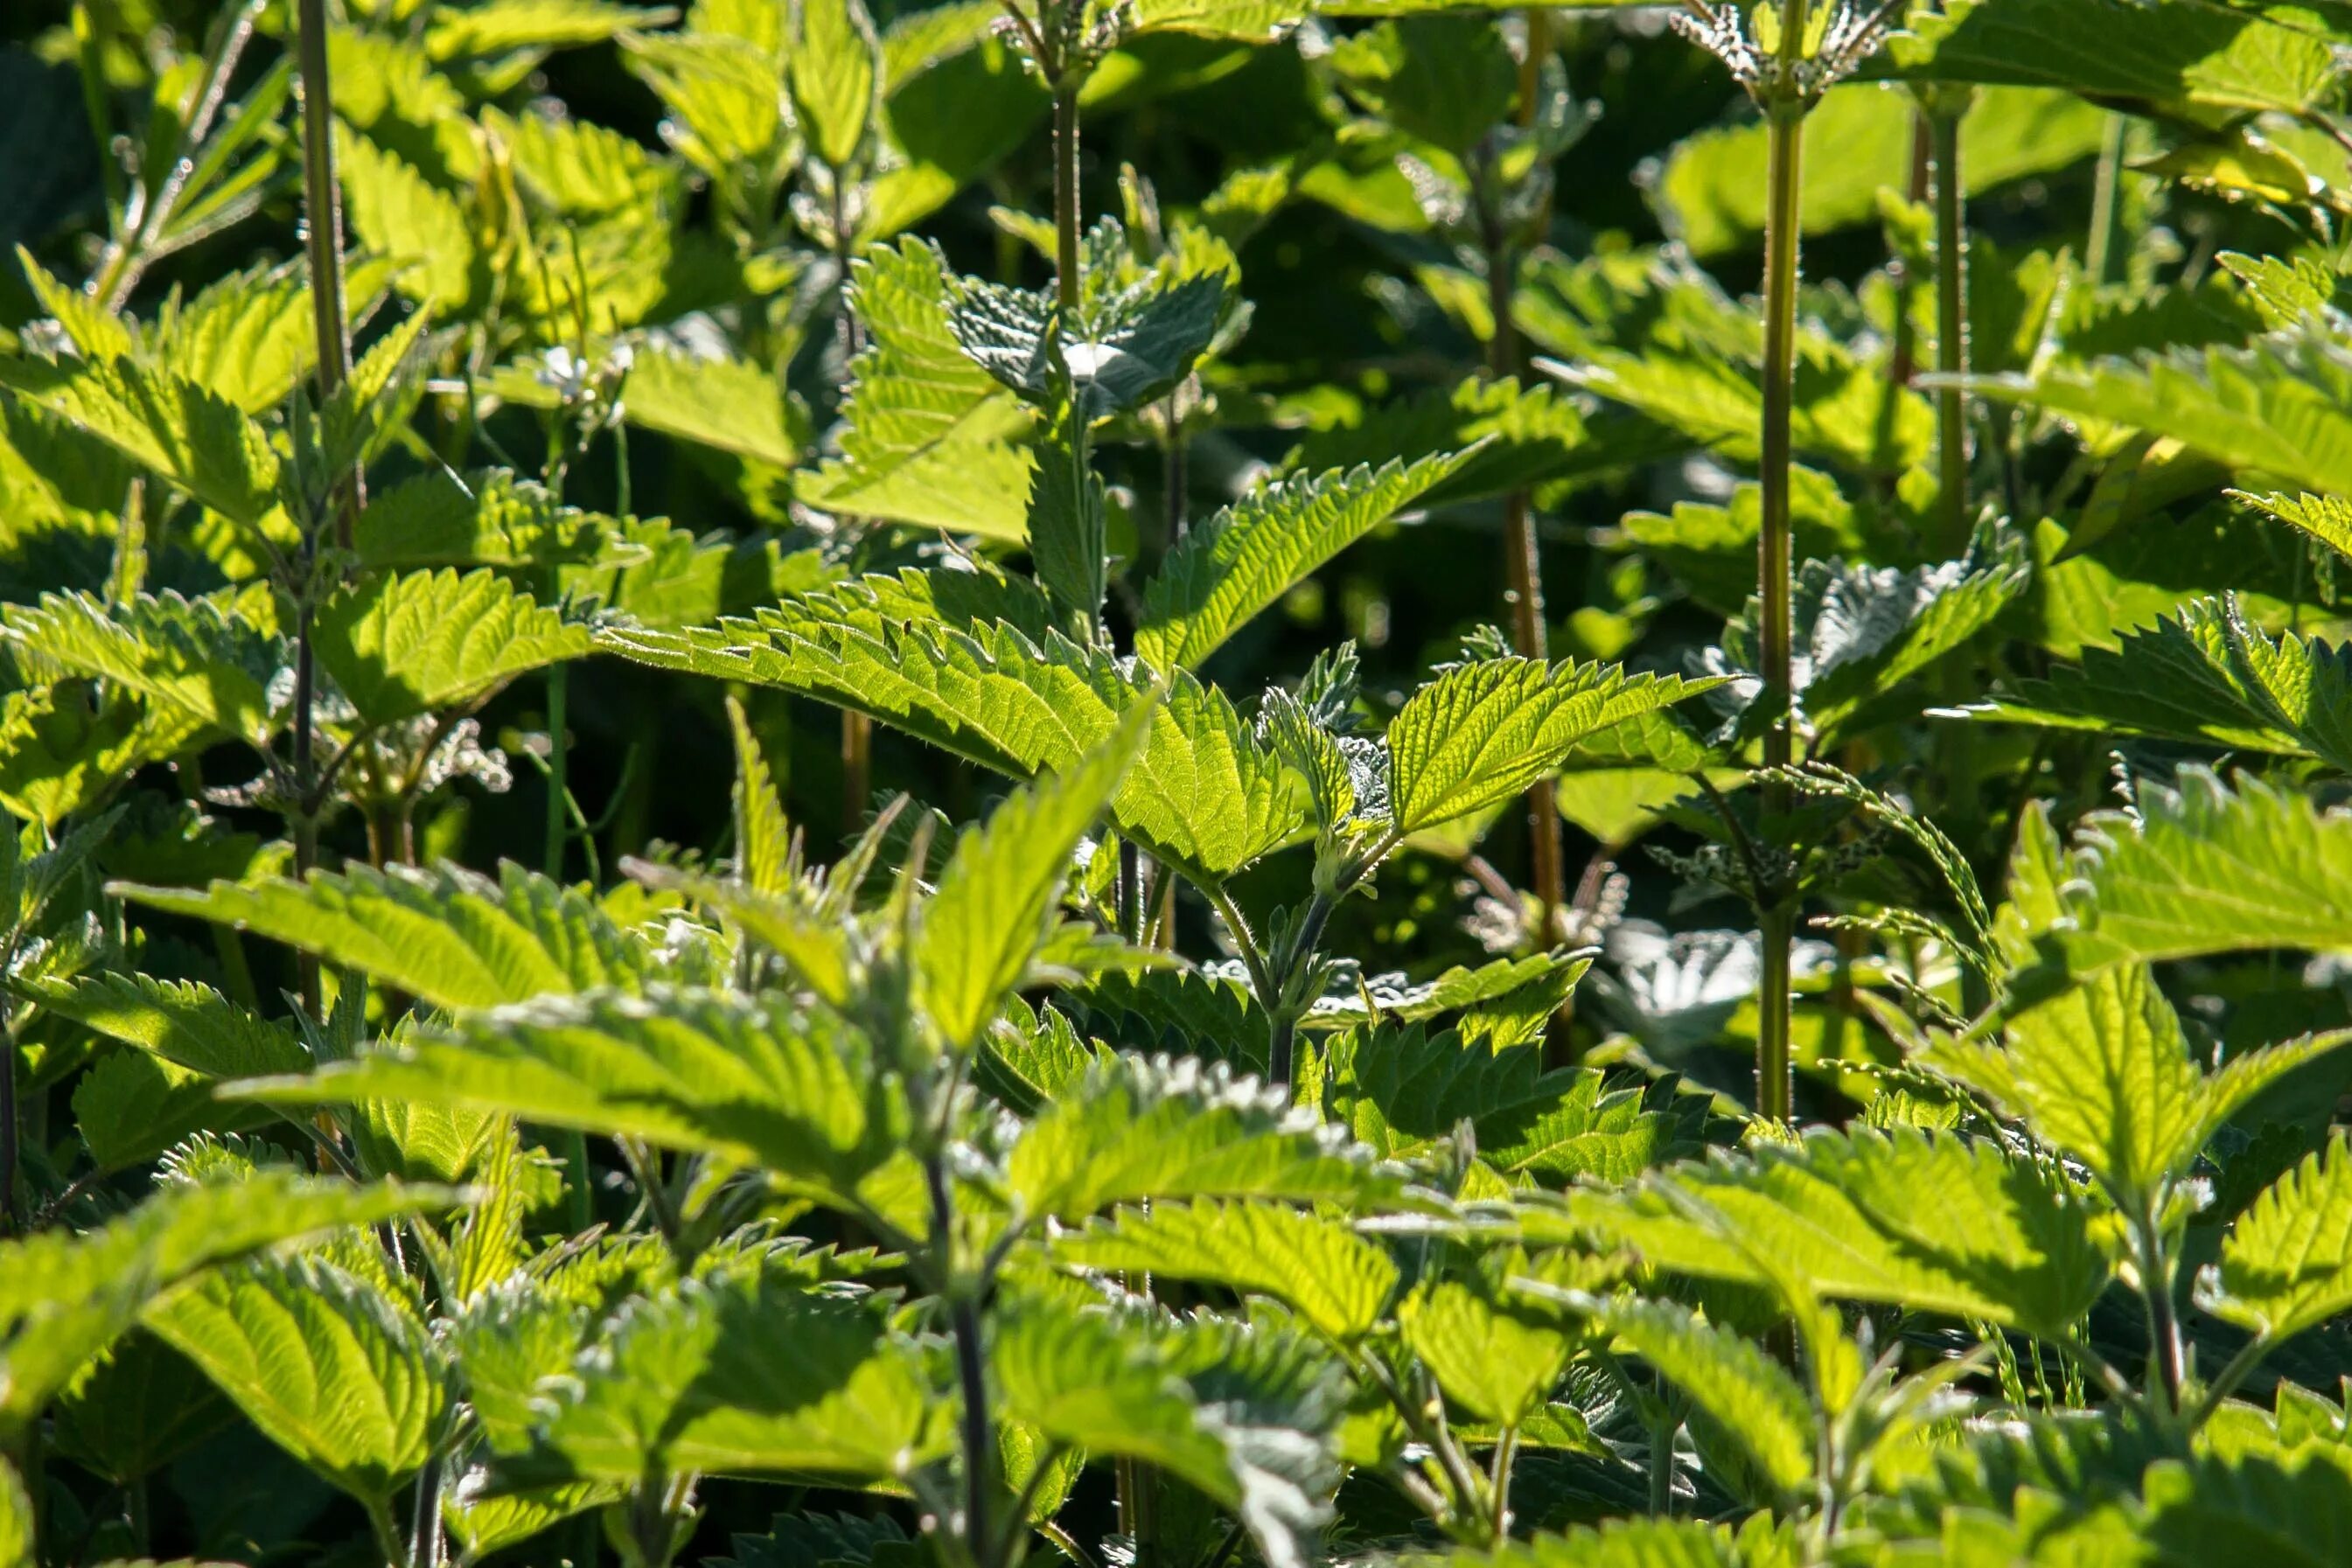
(323, 208)
(1956, 743)
(963, 1322)
(1065, 194)
(8, 1134)
(2168, 1353)
(305, 816)
(1775, 1091)
(2105, 245)
(2240, 1367)
(322, 205)
(857, 728)
(1951, 329)
(559, 771)
(1664, 1428)
(126, 259)
(1523, 572)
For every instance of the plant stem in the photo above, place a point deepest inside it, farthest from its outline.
(2167, 1355)
(9, 1132)
(2107, 204)
(1523, 572)
(1065, 194)
(322, 205)
(857, 728)
(963, 1322)
(1955, 743)
(1786, 119)
(559, 771)
(1951, 329)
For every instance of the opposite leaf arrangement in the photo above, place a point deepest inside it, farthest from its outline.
(1126, 1075)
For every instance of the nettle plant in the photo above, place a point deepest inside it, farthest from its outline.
(1125, 1074)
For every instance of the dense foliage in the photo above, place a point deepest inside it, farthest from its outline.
(801, 783)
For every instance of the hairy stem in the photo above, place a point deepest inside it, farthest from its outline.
(1951, 329)
(559, 771)
(1065, 195)
(856, 729)
(1774, 1091)
(2168, 1352)
(2105, 246)
(9, 1132)
(1955, 743)
(1523, 575)
(323, 208)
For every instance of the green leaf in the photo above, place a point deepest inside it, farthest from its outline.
(2206, 675)
(399, 215)
(2328, 519)
(2101, 1071)
(1253, 552)
(191, 1026)
(724, 100)
(989, 917)
(761, 1081)
(17, 1519)
(1750, 1397)
(64, 1297)
(484, 517)
(835, 71)
(450, 937)
(1712, 193)
(1483, 732)
(1622, 1543)
(250, 336)
(1403, 1091)
(1522, 436)
(2286, 1265)
(1069, 526)
(2203, 868)
(2281, 407)
(1205, 795)
(331, 1368)
(136, 1409)
(1126, 350)
(1498, 1364)
(1311, 1262)
(1173, 1129)
(1932, 1222)
(193, 438)
(400, 647)
(717, 401)
(2175, 53)
(132, 1107)
(206, 661)
(753, 1376)
(765, 859)
(929, 437)
(1233, 1411)
(505, 27)
(1862, 629)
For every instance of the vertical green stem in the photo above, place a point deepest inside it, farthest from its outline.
(323, 211)
(1522, 570)
(1951, 328)
(2168, 1353)
(8, 1129)
(1956, 743)
(963, 1322)
(323, 206)
(559, 772)
(1065, 195)
(1785, 116)
(2105, 247)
